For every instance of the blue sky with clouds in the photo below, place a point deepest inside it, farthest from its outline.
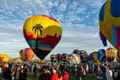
(79, 19)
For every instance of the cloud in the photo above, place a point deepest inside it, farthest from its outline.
(76, 11)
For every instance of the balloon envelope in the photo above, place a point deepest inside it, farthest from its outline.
(94, 57)
(42, 34)
(109, 19)
(4, 57)
(74, 58)
(82, 54)
(28, 54)
(101, 55)
(111, 54)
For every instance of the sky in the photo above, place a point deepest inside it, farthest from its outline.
(79, 20)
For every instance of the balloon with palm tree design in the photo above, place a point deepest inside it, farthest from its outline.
(42, 33)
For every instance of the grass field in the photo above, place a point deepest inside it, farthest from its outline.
(90, 77)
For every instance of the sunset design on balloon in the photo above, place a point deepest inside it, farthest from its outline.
(42, 33)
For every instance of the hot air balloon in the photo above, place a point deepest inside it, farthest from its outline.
(27, 54)
(111, 54)
(73, 58)
(109, 22)
(82, 54)
(94, 57)
(101, 55)
(4, 57)
(42, 33)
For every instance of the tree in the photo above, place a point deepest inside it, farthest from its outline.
(38, 28)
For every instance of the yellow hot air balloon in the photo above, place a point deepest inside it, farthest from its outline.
(111, 54)
(94, 57)
(74, 58)
(42, 33)
(4, 57)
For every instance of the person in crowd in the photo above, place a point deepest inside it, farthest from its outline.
(99, 73)
(116, 71)
(23, 72)
(16, 72)
(66, 75)
(84, 72)
(45, 73)
(60, 77)
(73, 75)
(61, 69)
(109, 72)
(103, 72)
(6, 72)
(79, 72)
(54, 74)
(34, 70)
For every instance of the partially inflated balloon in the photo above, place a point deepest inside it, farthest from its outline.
(42, 34)
(74, 58)
(4, 57)
(111, 54)
(82, 54)
(94, 57)
(27, 54)
(101, 55)
(109, 19)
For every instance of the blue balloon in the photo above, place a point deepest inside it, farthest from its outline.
(101, 55)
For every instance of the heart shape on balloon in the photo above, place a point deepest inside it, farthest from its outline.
(42, 33)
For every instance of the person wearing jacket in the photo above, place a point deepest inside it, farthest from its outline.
(66, 75)
(54, 75)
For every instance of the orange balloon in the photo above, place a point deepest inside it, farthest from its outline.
(28, 54)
